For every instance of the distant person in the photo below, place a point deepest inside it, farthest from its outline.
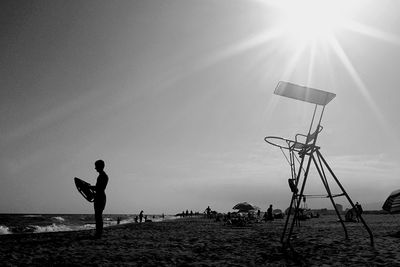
(359, 211)
(100, 196)
(141, 216)
(349, 216)
(118, 220)
(270, 217)
(208, 212)
(258, 213)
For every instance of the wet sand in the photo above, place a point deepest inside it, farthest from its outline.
(202, 242)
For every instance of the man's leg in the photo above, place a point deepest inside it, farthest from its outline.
(98, 214)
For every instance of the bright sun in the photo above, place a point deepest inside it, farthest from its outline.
(309, 21)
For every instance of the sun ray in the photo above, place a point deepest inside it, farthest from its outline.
(291, 65)
(337, 48)
(288, 70)
(311, 63)
(238, 48)
(223, 54)
(372, 32)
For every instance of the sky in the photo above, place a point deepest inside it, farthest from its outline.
(176, 97)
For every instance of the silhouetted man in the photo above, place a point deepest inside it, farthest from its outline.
(100, 196)
(270, 217)
(141, 216)
(359, 211)
(208, 210)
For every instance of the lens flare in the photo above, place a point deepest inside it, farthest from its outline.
(312, 20)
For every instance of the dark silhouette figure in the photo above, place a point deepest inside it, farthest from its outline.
(141, 216)
(118, 220)
(258, 213)
(100, 196)
(349, 216)
(208, 211)
(359, 211)
(270, 217)
(292, 185)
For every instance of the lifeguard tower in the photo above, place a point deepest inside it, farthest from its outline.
(302, 151)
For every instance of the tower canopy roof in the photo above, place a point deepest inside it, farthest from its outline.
(303, 93)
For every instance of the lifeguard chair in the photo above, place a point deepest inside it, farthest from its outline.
(302, 151)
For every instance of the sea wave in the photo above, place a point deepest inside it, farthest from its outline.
(59, 218)
(38, 223)
(43, 228)
(51, 228)
(4, 230)
(89, 226)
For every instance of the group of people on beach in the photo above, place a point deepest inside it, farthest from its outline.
(241, 218)
(143, 218)
(186, 213)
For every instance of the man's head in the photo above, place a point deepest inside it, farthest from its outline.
(99, 165)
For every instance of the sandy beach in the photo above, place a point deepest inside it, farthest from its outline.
(203, 242)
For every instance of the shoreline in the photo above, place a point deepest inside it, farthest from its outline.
(203, 242)
(11, 224)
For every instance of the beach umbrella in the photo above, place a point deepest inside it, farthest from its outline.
(278, 214)
(245, 206)
(392, 203)
(277, 211)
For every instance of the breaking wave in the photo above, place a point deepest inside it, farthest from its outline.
(59, 218)
(51, 228)
(41, 223)
(4, 230)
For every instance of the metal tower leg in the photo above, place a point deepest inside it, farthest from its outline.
(300, 196)
(347, 196)
(293, 196)
(325, 182)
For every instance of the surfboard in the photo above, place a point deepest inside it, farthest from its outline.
(85, 190)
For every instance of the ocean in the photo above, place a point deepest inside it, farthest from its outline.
(39, 223)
